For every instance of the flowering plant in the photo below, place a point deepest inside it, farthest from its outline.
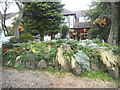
(102, 22)
(20, 28)
(9, 55)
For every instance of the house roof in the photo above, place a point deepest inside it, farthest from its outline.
(10, 15)
(67, 12)
(80, 13)
(81, 24)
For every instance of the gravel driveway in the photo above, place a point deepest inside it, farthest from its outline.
(43, 79)
(25, 79)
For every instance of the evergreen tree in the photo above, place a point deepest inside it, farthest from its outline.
(42, 17)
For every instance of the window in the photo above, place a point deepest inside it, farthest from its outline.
(83, 19)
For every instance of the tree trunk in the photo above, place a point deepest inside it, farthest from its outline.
(2, 18)
(17, 21)
(5, 27)
(16, 30)
(119, 22)
(113, 36)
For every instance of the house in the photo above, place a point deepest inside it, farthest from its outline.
(70, 18)
(77, 21)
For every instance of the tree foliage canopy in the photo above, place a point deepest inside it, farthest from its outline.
(111, 28)
(42, 17)
(99, 10)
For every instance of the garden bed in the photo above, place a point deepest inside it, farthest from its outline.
(62, 55)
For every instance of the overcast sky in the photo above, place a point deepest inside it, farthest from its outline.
(72, 5)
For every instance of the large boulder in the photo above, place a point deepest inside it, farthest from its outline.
(114, 72)
(66, 67)
(42, 64)
(30, 65)
(94, 66)
(27, 65)
(76, 71)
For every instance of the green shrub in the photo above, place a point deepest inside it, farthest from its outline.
(13, 40)
(103, 44)
(115, 49)
(6, 46)
(97, 40)
(10, 55)
(29, 57)
(26, 37)
(64, 31)
(19, 66)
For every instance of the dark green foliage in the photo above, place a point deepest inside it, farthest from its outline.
(14, 40)
(112, 12)
(97, 40)
(115, 49)
(42, 17)
(101, 33)
(6, 46)
(26, 37)
(64, 31)
(99, 10)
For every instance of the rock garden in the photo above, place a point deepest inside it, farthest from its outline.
(74, 56)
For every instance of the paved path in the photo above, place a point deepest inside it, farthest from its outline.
(41, 79)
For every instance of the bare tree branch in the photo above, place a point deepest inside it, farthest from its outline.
(4, 5)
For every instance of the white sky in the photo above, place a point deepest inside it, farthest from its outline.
(74, 5)
(71, 5)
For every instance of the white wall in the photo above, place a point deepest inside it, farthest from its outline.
(70, 21)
